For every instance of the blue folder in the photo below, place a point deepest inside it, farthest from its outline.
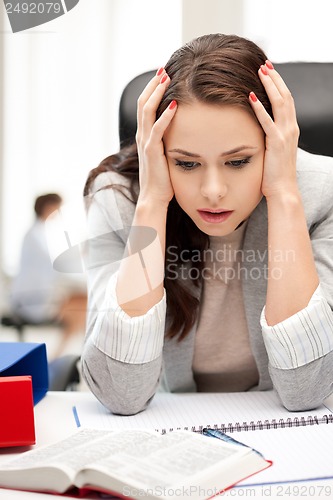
(25, 358)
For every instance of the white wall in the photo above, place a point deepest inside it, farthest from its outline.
(288, 30)
(211, 16)
(291, 30)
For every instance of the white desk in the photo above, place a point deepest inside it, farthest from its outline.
(54, 420)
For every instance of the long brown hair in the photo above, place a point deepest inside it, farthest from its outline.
(219, 69)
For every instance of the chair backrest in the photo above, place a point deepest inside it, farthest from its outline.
(63, 373)
(311, 85)
(128, 105)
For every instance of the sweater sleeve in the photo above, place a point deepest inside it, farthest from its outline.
(128, 339)
(302, 338)
(300, 349)
(122, 356)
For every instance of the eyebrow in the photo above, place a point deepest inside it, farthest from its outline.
(225, 153)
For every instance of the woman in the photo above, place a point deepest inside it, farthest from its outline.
(226, 282)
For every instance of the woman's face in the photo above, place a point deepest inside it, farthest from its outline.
(215, 156)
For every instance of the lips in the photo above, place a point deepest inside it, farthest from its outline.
(214, 216)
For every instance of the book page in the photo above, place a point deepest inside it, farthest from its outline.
(157, 461)
(71, 454)
(53, 467)
(36, 469)
(192, 410)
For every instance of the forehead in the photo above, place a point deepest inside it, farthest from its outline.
(198, 124)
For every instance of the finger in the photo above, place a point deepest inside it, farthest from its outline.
(277, 79)
(163, 122)
(151, 105)
(279, 95)
(263, 117)
(146, 93)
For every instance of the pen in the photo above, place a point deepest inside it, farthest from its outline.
(76, 416)
(228, 439)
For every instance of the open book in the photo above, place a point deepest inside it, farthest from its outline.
(134, 464)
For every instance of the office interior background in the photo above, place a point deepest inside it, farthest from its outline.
(61, 84)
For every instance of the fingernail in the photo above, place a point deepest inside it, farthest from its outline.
(172, 104)
(264, 70)
(160, 71)
(269, 64)
(164, 77)
(253, 97)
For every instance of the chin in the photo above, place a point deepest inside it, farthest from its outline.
(216, 230)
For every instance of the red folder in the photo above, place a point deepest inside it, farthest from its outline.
(17, 424)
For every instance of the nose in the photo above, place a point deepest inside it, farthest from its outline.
(213, 186)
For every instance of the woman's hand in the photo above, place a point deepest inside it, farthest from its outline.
(154, 178)
(140, 277)
(281, 134)
(292, 274)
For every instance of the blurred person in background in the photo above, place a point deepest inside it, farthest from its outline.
(39, 294)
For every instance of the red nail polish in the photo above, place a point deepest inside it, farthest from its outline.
(264, 70)
(160, 71)
(172, 104)
(164, 77)
(253, 97)
(269, 64)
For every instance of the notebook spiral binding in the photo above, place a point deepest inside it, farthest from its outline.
(259, 425)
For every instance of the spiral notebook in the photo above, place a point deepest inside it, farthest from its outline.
(300, 444)
(229, 412)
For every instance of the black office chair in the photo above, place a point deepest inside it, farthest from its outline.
(63, 373)
(128, 105)
(310, 83)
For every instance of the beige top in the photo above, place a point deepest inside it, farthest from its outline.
(223, 361)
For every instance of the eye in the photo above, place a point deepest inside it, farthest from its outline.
(239, 163)
(187, 165)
